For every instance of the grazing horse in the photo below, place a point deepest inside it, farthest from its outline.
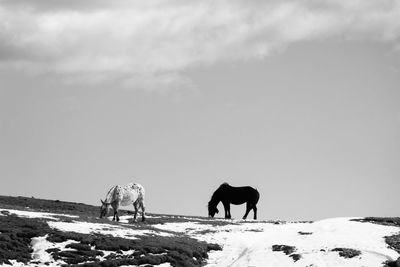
(123, 196)
(234, 195)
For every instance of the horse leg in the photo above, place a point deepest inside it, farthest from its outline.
(116, 207)
(227, 208)
(248, 208)
(255, 212)
(143, 210)
(136, 211)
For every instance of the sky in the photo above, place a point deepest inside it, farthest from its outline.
(298, 99)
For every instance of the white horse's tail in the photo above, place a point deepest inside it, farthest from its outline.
(140, 189)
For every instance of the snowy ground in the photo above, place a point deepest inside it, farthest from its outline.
(35, 214)
(250, 244)
(245, 243)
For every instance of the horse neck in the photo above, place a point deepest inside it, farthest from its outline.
(110, 195)
(216, 198)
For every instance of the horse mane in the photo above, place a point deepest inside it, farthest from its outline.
(215, 195)
(109, 196)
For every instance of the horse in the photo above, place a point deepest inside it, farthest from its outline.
(118, 195)
(234, 195)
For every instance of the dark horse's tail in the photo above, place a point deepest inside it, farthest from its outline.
(257, 197)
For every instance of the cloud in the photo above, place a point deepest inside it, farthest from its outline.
(149, 43)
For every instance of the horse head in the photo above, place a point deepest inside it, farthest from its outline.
(104, 208)
(212, 210)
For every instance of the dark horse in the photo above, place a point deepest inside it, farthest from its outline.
(236, 195)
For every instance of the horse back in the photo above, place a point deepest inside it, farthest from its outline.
(125, 195)
(240, 195)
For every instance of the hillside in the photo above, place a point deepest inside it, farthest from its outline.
(57, 233)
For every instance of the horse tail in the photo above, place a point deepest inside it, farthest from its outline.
(139, 189)
(257, 196)
(142, 192)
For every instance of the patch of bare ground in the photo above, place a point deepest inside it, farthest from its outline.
(395, 263)
(304, 233)
(390, 221)
(55, 206)
(288, 250)
(347, 253)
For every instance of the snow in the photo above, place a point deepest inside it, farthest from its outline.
(34, 214)
(128, 218)
(39, 247)
(184, 227)
(105, 229)
(250, 244)
(125, 218)
(14, 263)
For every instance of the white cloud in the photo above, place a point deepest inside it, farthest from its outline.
(147, 44)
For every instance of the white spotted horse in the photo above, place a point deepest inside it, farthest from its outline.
(234, 195)
(123, 196)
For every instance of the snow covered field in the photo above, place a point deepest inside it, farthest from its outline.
(250, 244)
(244, 243)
